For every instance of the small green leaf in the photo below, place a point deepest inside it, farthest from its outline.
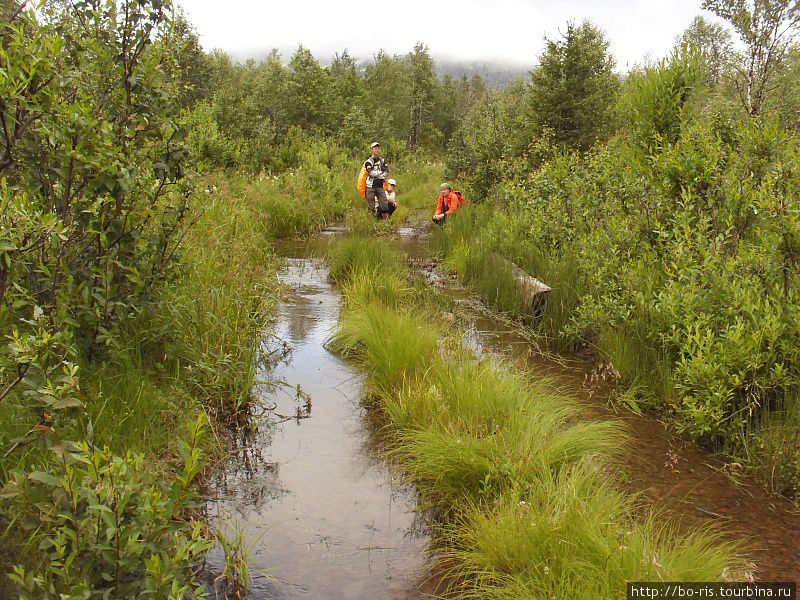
(45, 478)
(67, 403)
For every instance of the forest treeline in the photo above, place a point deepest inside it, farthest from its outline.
(254, 116)
(141, 178)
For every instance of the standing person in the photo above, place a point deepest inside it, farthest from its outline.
(449, 202)
(377, 172)
(391, 196)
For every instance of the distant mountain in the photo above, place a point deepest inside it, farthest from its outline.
(494, 74)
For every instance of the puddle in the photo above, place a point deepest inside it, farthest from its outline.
(319, 510)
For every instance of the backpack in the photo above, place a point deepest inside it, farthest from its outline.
(461, 201)
(362, 181)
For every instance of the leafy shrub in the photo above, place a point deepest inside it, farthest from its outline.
(102, 526)
(672, 249)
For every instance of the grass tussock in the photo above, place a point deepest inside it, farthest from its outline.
(356, 253)
(476, 263)
(472, 430)
(392, 345)
(571, 534)
(371, 285)
(518, 473)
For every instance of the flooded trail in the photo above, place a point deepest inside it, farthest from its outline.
(666, 471)
(318, 509)
(324, 518)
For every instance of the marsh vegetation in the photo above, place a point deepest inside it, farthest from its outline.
(143, 182)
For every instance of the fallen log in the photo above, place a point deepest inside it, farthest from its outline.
(532, 291)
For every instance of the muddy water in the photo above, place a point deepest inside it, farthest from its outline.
(666, 471)
(322, 516)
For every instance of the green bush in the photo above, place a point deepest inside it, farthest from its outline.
(672, 249)
(101, 525)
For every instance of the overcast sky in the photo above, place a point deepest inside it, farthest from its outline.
(511, 31)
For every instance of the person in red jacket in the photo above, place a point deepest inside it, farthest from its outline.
(449, 202)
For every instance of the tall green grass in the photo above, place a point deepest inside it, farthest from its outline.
(195, 353)
(572, 535)
(772, 449)
(391, 343)
(476, 263)
(355, 253)
(520, 475)
(213, 318)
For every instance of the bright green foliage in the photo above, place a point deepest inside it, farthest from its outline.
(496, 138)
(471, 430)
(478, 266)
(362, 289)
(655, 99)
(672, 249)
(573, 88)
(354, 254)
(517, 474)
(569, 535)
(393, 344)
(107, 526)
(92, 207)
(116, 314)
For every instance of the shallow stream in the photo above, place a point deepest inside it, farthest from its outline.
(323, 515)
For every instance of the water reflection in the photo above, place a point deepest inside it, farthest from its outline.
(322, 512)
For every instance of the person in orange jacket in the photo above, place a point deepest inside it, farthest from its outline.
(449, 202)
